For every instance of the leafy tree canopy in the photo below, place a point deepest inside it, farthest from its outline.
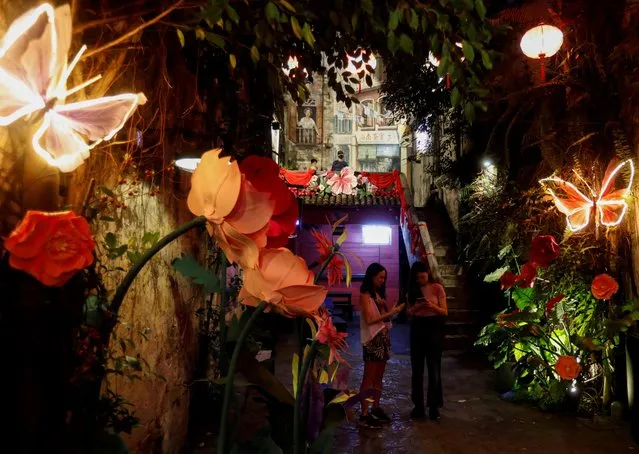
(321, 35)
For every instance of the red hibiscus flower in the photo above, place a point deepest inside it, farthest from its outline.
(604, 286)
(507, 280)
(567, 367)
(336, 265)
(543, 250)
(502, 319)
(264, 174)
(327, 334)
(526, 278)
(550, 305)
(52, 247)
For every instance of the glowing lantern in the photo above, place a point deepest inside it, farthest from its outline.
(542, 42)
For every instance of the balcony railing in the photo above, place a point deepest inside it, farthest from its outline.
(342, 125)
(306, 136)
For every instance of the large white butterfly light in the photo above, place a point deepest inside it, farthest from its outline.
(33, 82)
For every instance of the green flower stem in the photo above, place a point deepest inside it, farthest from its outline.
(130, 276)
(228, 389)
(325, 264)
(223, 267)
(301, 379)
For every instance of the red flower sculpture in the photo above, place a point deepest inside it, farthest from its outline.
(543, 250)
(327, 334)
(604, 286)
(526, 278)
(567, 367)
(550, 305)
(336, 265)
(52, 247)
(264, 174)
(507, 280)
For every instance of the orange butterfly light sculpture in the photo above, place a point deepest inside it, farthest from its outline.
(33, 84)
(610, 204)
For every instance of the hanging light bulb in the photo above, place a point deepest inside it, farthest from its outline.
(541, 42)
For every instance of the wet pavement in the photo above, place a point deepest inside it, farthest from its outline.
(474, 419)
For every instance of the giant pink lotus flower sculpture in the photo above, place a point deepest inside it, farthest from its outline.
(343, 182)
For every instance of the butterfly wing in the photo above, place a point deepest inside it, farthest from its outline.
(32, 58)
(69, 131)
(616, 187)
(570, 201)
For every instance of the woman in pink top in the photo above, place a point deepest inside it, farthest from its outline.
(428, 311)
(375, 337)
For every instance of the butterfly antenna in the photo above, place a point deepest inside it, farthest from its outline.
(68, 71)
(592, 192)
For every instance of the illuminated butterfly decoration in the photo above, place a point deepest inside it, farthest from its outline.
(33, 84)
(610, 203)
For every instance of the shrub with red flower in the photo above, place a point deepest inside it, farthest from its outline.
(544, 250)
(52, 247)
(264, 174)
(567, 367)
(336, 265)
(327, 334)
(507, 280)
(550, 305)
(527, 276)
(502, 319)
(604, 286)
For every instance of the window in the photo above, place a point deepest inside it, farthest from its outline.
(378, 158)
(376, 234)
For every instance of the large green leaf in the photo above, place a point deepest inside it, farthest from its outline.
(495, 275)
(323, 444)
(189, 267)
(523, 298)
(258, 375)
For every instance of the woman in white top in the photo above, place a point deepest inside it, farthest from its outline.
(375, 337)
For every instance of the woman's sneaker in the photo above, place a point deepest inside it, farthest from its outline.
(369, 422)
(379, 414)
(433, 414)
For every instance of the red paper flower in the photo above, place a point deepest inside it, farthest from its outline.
(567, 367)
(604, 286)
(336, 265)
(327, 334)
(52, 247)
(543, 250)
(550, 305)
(284, 281)
(507, 280)
(263, 174)
(526, 278)
(238, 214)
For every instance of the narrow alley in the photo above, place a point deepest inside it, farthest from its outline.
(474, 418)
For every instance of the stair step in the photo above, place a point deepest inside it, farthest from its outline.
(458, 342)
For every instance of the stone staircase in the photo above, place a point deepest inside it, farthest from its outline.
(462, 325)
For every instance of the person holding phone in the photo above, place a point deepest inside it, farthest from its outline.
(428, 311)
(375, 337)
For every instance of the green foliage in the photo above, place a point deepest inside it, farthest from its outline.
(189, 267)
(533, 336)
(319, 35)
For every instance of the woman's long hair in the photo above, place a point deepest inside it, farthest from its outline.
(414, 291)
(367, 285)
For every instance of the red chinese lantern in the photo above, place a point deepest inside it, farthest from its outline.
(541, 42)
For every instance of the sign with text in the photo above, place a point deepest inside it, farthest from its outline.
(377, 137)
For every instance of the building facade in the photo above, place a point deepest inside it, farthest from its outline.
(366, 133)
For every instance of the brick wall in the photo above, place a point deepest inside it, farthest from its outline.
(388, 256)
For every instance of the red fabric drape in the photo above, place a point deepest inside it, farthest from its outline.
(383, 180)
(297, 178)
